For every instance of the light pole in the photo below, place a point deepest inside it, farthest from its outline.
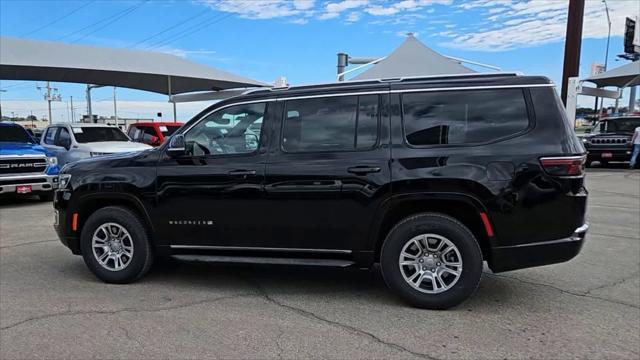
(1, 91)
(606, 54)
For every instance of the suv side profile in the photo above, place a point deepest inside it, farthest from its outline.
(429, 177)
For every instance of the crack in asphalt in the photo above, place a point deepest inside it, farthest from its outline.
(133, 310)
(614, 283)
(310, 315)
(27, 243)
(586, 294)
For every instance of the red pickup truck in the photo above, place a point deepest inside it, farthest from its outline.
(152, 133)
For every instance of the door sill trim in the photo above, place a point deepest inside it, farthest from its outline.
(264, 260)
(251, 248)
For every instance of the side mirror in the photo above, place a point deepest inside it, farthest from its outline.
(251, 141)
(177, 145)
(66, 143)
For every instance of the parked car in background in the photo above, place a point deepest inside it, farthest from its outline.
(72, 142)
(152, 133)
(25, 167)
(429, 177)
(610, 139)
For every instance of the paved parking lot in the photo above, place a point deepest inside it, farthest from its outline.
(52, 307)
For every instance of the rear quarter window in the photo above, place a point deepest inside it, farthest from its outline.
(463, 117)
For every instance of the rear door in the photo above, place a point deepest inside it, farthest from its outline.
(327, 173)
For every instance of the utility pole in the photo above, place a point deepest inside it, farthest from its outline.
(115, 108)
(572, 44)
(49, 97)
(1, 91)
(72, 111)
(89, 111)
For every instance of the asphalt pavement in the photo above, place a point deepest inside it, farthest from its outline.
(52, 307)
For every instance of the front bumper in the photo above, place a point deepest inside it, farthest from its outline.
(506, 258)
(37, 182)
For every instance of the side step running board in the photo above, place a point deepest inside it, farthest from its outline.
(264, 260)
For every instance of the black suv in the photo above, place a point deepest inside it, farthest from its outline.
(610, 139)
(428, 177)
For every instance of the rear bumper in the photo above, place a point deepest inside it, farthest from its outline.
(617, 154)
(38, 183)
(505, 258)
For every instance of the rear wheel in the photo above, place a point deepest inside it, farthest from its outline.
(115, 245)
(431, 261)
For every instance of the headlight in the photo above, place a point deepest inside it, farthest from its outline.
(63, 180)
(52, 160)
(585, 140)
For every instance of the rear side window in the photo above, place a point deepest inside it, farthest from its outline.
(463, 117)
(340, 123)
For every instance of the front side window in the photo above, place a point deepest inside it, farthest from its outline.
(340, 123)
(227, 131)
(63, 139)
(98, 134)
(50, 136)
(463, 117)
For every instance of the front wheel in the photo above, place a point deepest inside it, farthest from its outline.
(431, 261)
(115, 245)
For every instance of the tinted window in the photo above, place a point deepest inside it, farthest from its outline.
(463, 117)
(14, 134)
(330, 124)
(168, 130)
(226, 131)
(97, 134)
(50, 136)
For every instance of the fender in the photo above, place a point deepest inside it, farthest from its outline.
(398, 199)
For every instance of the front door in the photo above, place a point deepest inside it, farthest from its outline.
(213, 195)
(328, 172)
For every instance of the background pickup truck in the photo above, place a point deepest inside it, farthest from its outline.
(26, 168)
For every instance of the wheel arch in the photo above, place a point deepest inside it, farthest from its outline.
(90, 203)
(463, 207)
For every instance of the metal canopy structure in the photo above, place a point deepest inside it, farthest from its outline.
(623, 76)
(143, 70)
(95, 66)
(413, 58)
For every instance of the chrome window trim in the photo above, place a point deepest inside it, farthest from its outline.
(479, 87)
(213, 247)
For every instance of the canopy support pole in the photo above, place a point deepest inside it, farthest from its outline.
(175, 116)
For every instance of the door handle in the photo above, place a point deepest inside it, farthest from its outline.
(361, 170)
(242, 172)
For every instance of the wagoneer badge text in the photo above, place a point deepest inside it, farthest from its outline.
(191, 222)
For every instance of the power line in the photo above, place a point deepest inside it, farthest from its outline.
(99, 22)
(176, 25)
(60, 18)
(192, 30)
(132, 9)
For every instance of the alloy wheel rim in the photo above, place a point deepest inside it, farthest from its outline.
(430, 263)
(112, 246)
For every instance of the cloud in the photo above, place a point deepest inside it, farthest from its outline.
(353, 17)
(263, 9)
(532, 23)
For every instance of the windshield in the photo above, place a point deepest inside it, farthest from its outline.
(97, 134)
(619, 125)
(14, 134)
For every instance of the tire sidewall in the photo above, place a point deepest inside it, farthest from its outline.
(139, 239)
(444, 226)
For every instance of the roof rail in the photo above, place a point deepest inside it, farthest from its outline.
(444, 76)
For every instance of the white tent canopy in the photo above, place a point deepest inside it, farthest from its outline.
(413, 58)
(623, 76)
(144, 70)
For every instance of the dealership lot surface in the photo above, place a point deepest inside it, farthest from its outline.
(52, 307)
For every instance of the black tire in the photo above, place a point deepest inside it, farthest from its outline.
(447, 227)
(46, 196)
(142, 257)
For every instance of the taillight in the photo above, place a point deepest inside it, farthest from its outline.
(564, 166)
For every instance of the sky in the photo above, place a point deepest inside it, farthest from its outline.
(299, 39)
